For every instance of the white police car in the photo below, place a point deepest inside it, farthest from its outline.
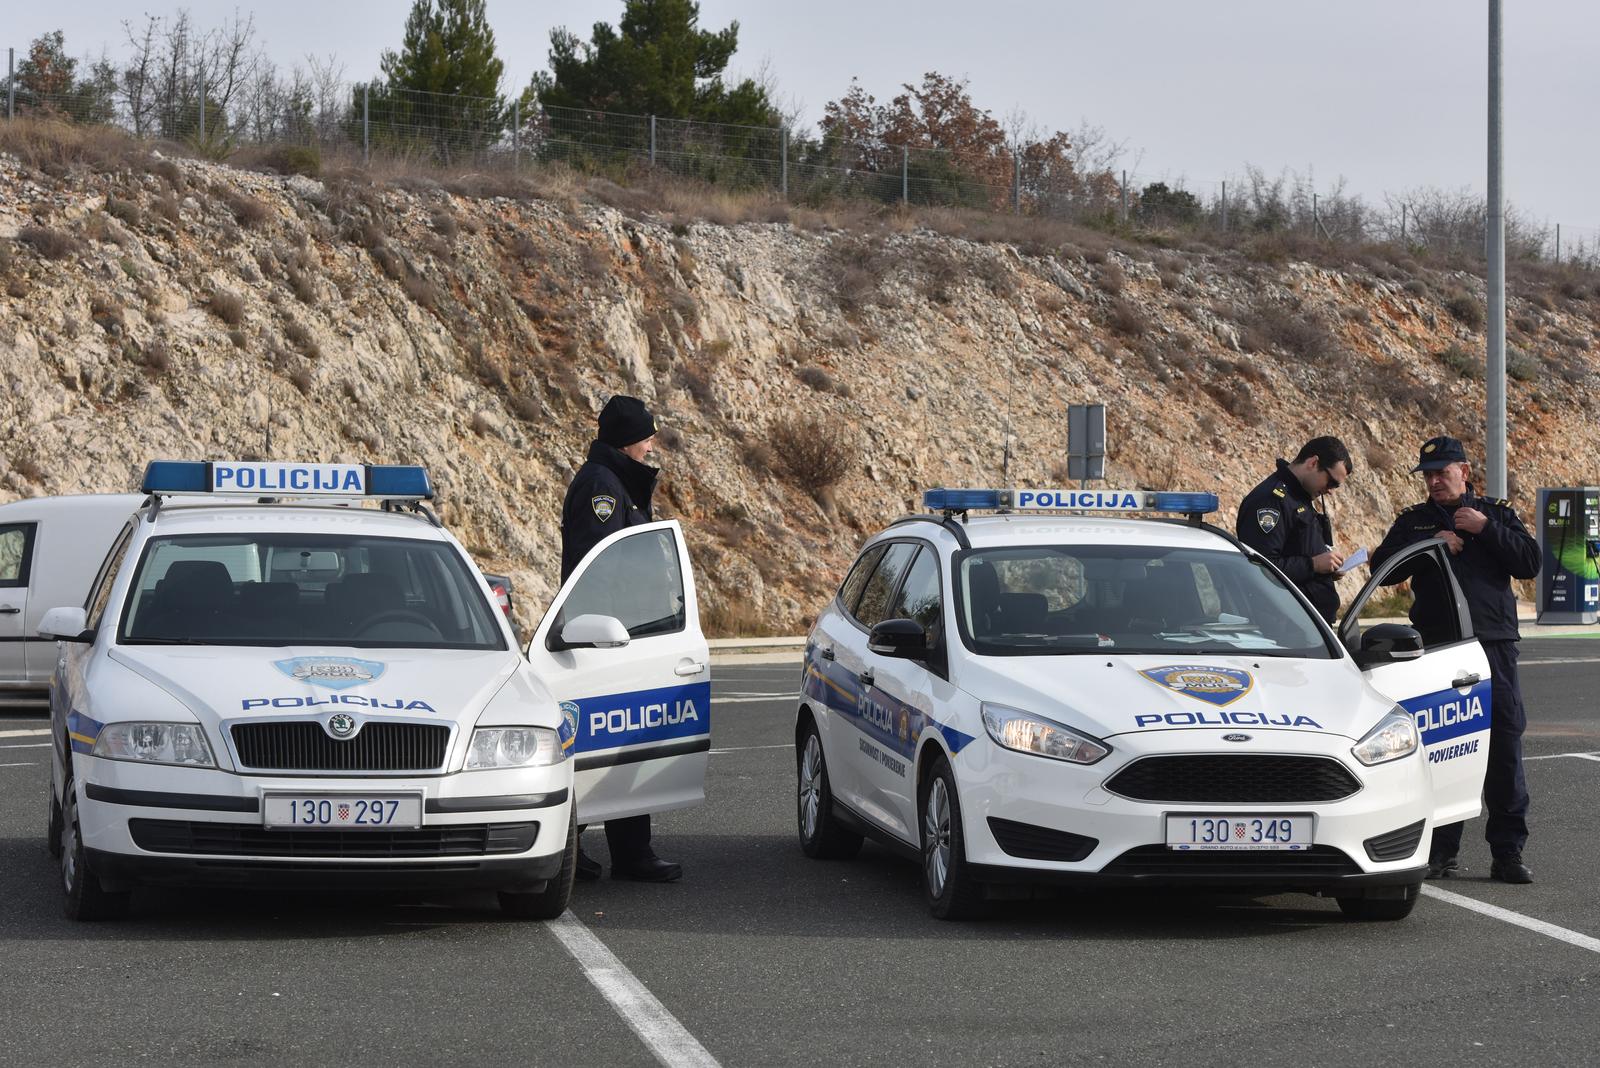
(322, 693)
(1097, 700)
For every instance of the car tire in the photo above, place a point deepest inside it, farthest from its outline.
(83, 896)
(552, 901)
(822, 836)
(52, 829)
(1381, 908)
(952, 893)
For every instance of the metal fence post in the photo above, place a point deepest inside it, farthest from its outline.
(783, 162)
(11, 83)
(652, 140)
(1558, 242)
(202, 106)
(516, 134)
(1314, 219)
(366, 124)
(1124, 196)
(905, 174)
(1402, 224)
(1016, 181)
(1224, 206)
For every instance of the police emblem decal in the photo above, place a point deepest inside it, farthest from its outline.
(341, 725)
(1266, 519)
(334, 672)
(1214, 685)
(568, 731)
(603, 506)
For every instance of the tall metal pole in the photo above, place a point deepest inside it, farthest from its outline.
(652, 140)
(366, 123)
(516, 134)
(1495, 416)
(905, 175)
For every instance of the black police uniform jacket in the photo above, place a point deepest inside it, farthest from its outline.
(1277, 520)
(1484, 568)
(610, 492)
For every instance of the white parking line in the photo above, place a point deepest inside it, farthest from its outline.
(747, 700)
(25, 734)
(1563, 660)
(746, 748)
(1549, 930)
(1558, 756)
(657, 1028)
(27, 745)
(24, 764)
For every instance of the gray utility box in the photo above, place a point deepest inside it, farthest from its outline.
(1569, 537)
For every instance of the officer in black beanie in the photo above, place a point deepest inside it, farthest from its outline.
(612, 491)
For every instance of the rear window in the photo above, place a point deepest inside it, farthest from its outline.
(298, 589)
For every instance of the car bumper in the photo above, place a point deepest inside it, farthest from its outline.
(1049, 807)
(502, 829)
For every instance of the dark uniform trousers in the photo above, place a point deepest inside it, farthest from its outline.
(1505, 790)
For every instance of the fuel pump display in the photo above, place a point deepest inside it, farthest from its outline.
(1569, 533)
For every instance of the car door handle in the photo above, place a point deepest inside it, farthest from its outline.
(688, 667)
(826, 652)
(1468, 679)
(866, 678)
(9, 610)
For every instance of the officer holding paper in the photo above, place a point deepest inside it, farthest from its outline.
(1279, 520)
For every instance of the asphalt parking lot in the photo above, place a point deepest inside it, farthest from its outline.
(760, 956)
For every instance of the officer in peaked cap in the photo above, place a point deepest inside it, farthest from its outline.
(1279, 519)
(1489, 547)
(610, 492)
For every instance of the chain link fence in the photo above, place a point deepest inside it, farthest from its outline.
(344, 121)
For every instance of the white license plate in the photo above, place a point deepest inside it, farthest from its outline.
(344, 812)
(1195, 831)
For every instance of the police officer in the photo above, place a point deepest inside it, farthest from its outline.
(612, 491)
(1279, 520)
(1489, 547)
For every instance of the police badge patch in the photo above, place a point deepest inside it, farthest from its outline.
(1266, 519)
(603, 506)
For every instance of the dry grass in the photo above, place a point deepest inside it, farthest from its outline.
(302, 339)
(249, 211)
(58, 148)
(1126, 319)
(50, 243)
(229, 307)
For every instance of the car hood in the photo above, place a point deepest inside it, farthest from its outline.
(227, 683)
(1109, 695)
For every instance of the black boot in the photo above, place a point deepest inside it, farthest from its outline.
(1444, 867)
(587, 869)
(1510, 869)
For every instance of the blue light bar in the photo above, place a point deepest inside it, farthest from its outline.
(1067, 500)
(265, 479)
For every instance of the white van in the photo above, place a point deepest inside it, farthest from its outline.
(50, 550)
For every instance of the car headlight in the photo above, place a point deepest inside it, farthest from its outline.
(155, 743)
(514, 747)
(1394, 737)
(1033, 734)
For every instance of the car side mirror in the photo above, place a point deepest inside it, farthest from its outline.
(901, 638)
(592, 632)
(1389, 643)
(66, 625)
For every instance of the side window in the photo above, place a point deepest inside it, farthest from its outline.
(1418, 588)
(108, 577)
(16, 554)
(850, 592)
(637, 580)
(875, 597)
(919, 597)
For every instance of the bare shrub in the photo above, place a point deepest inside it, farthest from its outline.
(419, 289)
(1111, 279)
(1051, 300)
(526, 407)
(1234, 398)
(302, 285)
(1303, 335)
(238, 338)
(526, 249)
(155, 357)
(250, 212)
(125, 211)
(1126, 319)
(229, 307)
(302, 339)
(1466, 309)
(855, 268)
(688, 309)
(445, 225)
(1464, 363)
(817, 378)
(167, 208)
(686, 261)
(302, 380)
(1521, 366)
(813, 452)
(50, 243)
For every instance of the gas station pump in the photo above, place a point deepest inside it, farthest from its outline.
(1569, 535)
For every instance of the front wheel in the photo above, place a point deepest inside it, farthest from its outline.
(1381, 908)
(952, 892)
(84, 897)
(822, 836)
(550, 902)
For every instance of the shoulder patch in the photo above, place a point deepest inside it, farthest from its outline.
(1266, 519)
(603, 506)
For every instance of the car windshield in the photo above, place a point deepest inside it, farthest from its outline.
(305, 589)
(1061, 599)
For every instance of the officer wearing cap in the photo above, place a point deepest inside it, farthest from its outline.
(1279, 520)
(610, 492)
(1489, 547)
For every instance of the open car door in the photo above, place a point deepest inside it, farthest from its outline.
(1445, 686)
(621, 649)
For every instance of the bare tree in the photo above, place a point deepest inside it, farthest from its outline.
(136, 88)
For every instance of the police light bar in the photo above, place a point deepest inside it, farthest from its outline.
(1069, 500)
(255, 479)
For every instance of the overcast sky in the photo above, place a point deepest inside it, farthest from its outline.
(1389, 94)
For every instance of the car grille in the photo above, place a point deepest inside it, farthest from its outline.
(1242, 778)
(1396, 845)
(304, 746)
(1156, 860)
(1040, 843)
(253, 840)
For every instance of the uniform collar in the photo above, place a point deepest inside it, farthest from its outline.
(1291, 481)
(639, 479)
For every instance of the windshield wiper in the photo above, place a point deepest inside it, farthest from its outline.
(164, 641)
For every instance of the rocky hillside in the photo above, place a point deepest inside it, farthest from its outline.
(177, 308)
